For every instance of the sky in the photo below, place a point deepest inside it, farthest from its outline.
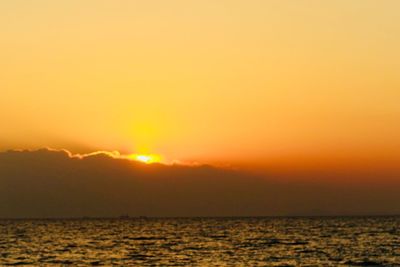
(268, 86)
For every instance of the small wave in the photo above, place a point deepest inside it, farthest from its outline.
(146, 238)
(363, 263)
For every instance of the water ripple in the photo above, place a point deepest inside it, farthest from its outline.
(363, 241)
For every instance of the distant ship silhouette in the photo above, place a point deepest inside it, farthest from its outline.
(126, 216)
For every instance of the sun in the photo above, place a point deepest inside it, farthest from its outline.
(148, 159)
(144, 158)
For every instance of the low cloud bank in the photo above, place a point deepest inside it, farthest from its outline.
(55, 183)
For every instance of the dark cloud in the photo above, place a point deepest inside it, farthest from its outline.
(50, 183)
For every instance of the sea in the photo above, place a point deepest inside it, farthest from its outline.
(252, 241)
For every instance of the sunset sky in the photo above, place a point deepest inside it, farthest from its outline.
(261, 85)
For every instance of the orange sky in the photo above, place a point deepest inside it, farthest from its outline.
(259, 84)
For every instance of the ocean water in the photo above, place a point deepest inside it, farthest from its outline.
(333, 241)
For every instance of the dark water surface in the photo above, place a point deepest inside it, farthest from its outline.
(336, 241)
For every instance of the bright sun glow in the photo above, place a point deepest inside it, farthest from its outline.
(146, 158)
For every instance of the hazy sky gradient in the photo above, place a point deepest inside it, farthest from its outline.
(261, 84)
